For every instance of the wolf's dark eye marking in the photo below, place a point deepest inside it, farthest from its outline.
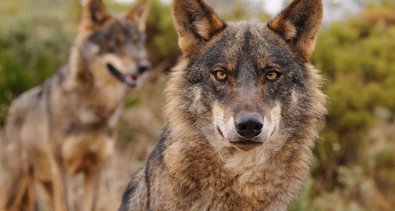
(135, 39)
(273, 75)
(220, 74)
(115, 42)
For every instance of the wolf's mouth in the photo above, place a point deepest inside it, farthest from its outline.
(242, 144)
(220, 132)
(246, 144)
(129, 80)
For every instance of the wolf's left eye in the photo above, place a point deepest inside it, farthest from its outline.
(219, 75)
(115, 42)
(273, 75)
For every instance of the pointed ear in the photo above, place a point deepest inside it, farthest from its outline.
(138, 14)
(195, 23)
(94, 13)
(298, 25)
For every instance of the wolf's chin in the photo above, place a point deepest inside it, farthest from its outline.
(246, 145)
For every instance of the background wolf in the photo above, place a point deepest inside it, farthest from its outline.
(66, 126)
(242, 110)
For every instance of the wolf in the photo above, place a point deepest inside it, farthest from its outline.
(242, 110)
(65, 126)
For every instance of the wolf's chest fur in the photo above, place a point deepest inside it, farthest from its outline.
(79, 124)
(86, 151)
(192, 171)
(89, 134)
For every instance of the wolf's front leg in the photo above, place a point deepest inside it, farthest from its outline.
(91, 189)
(60, 188)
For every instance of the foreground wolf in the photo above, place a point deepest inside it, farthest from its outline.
(242, 110)
(66, 126)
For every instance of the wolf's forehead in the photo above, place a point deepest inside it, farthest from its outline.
(117, 27)
(249, 40)
(243, 28)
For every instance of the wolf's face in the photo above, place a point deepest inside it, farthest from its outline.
(113, 46)
(247, 83)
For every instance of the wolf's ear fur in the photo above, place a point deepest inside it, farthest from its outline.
(298, 25)
(94, 13)
(138, 14)
(195, 23)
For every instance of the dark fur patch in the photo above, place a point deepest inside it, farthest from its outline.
(40, 92)
(118, 36)
(130, 189)
(156, 158)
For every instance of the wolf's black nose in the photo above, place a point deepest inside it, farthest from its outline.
(143, 66)
(249, 125)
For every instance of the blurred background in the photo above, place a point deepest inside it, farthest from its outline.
(354, 166)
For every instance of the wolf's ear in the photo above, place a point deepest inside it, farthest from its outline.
(195, 23)
(298, 25)
(138, 14)
(94, 13)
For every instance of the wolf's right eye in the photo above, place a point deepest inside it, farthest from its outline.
(220, 74)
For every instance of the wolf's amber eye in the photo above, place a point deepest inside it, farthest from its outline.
(273, 75)
(115, 42)
(220, 75)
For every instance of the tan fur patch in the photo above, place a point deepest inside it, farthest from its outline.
(286, 27)
(186, 43)
(203, 28)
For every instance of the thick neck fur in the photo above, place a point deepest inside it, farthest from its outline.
(265, 178)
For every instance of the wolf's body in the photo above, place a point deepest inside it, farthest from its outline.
(242, 110)
(66, 126)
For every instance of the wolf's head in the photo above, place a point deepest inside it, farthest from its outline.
(112, 47)
(246, 85)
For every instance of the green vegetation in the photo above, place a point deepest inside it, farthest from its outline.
(354, 167)
(356, 148)
(33, 44)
